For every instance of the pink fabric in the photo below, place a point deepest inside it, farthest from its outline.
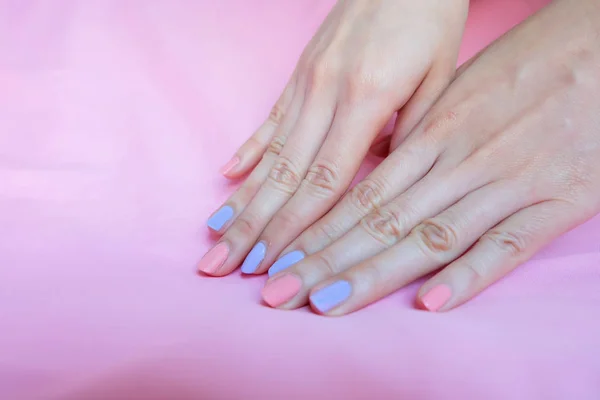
(114, 119)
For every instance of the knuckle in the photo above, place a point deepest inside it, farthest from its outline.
(475, 270)
(276, 115)
(276, 145)
(322, 72)
(366, 196)
(327, 265)
(436, 237)
(441, 125)
(319, 236)
(363, 84)
(246, 225)
(246, 192)
(512, 243)
(372, 275)
(384, 226)
(323, 177)
(328, 232)
(284, 221)
(284, 175)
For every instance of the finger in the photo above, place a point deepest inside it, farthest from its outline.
(283, 180)
(330, 174)
(251, 152)
(392, 177)
(428, 92)
(498, 252)
(365, 241)
(330, 230)
(221, 219)
(432, 87)
(430, 245)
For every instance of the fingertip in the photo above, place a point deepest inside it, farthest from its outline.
(436, 298)
(254, 259)
(231, 168)
(214, 259)
(281, 290)
(220, 219)
(329, 299)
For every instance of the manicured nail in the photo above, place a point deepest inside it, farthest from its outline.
(231, 164)
(254, 258)
(331, 296)
(281, 290)
(436, 297)
(214, 259)
(286, 261)
(220, 218)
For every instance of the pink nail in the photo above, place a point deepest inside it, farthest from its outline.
(281, 290)
(436, 297)
(214, 259)
(231, 164)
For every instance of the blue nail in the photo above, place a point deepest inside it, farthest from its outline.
(286, 261)
(220, 218)
(331, 296)
(254, 258)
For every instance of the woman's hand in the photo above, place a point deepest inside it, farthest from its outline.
(368, 60)
(507, 160)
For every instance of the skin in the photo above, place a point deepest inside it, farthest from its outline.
(505, 161)
(361, 67)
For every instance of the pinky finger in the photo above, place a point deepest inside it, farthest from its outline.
(497, 253)
(251, 152)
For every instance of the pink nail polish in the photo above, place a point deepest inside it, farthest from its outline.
(214, 259)
(231, 164)
(436, 297)
(281, 290)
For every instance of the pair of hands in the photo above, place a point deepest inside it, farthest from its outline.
(486, 165)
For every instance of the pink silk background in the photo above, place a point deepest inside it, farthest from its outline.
(114, 119)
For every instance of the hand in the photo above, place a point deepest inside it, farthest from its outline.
(507, 160)
(368, 60)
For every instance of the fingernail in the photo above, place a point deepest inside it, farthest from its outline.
(231, 164)
(436, 297)
(220, 218)
(254, 258)
(286, 261)
(281, 290)
(331, 296)
(214, 259)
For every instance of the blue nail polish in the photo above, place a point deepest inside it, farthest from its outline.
(254, 258)
(220, 218)
(331, 296)
(286, 261)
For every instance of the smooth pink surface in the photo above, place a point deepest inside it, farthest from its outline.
(115, 117)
